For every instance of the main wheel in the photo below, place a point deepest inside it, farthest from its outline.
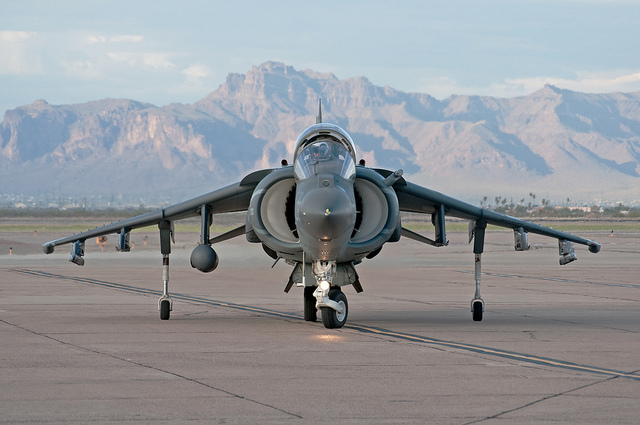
(310, 310)
(477, 311)
(165, 310)
(331, 319)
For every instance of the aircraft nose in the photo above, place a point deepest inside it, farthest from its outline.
(326, 213)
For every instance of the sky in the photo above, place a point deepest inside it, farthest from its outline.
(162, 52)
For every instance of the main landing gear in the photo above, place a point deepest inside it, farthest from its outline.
(310, 309)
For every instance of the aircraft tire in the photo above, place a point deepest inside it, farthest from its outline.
(310, 310)
(477, 311)
(331, 319)
(165, 310)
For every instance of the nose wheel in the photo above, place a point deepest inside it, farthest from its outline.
(333, 319)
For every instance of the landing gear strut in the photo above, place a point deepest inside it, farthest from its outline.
(165, 304)
(329, 298)
(477, 304)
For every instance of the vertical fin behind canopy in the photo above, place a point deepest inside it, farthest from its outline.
(319, 117)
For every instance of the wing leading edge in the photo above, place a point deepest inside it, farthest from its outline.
(418, 199)
(232, 198)
(235, 197)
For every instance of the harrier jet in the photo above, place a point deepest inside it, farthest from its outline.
(323, 215)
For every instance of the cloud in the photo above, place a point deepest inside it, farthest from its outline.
(604, 82)
(86, 69)
(14, 36)
(442, 87)
(139, 59)
(97, 39)
(127, 58)
(102, 39)
(585, 82)
(127, 39)
(157, 60)
(21, 52)
(195, 73)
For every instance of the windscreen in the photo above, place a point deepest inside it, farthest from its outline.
(324, 155)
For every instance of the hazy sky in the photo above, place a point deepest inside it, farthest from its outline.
(179, 51)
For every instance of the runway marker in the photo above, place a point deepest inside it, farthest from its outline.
(360, 328)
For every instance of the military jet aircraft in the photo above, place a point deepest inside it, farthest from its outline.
(323, 215)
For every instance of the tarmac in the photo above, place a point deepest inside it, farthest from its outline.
(558, 344)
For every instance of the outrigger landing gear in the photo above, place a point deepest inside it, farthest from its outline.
(477, 304)
(165, 304)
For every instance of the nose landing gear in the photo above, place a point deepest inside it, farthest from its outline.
(334, 315)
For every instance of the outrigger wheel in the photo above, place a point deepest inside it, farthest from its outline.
(165, 309)
(477, 310)
(331, 319)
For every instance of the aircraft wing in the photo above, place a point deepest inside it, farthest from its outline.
(418, 199)
(235, 197)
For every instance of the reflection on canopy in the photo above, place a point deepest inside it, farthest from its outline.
(324, 148)
(324, 156)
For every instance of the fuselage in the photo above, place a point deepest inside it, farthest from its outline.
(325, 203)
(323, 210)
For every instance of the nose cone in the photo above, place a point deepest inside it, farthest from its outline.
(326, 213)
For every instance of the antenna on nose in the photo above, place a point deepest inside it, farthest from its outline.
(319, 117)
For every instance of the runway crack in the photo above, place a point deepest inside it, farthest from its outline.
(157, 369)
(543, 399)
(370, 330)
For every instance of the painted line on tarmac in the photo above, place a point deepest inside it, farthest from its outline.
(527, 358)
(144, 291)
(498, 353)
(553, 279)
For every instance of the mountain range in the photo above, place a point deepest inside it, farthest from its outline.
(556, 143)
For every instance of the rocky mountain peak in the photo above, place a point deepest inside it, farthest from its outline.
(554, 141)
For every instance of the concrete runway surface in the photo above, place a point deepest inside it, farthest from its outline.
(85, 344)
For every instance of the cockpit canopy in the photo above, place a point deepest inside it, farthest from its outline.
(324, 148)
